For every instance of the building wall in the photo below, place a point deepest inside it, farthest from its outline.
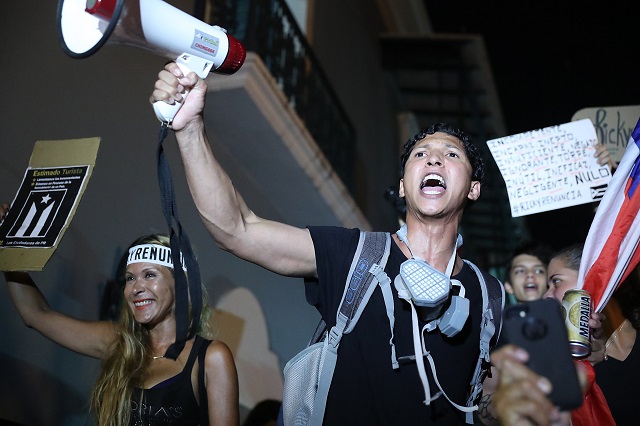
(345, 39)
(50, 96)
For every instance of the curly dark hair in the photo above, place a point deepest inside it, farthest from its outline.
(471, 150)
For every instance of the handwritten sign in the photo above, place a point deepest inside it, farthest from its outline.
(613, 125)
(550, 168)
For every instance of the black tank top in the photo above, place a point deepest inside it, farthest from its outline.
(172, 402)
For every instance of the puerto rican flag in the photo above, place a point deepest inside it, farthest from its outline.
(610, 251)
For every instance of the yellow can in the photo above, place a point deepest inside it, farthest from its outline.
(577, 308)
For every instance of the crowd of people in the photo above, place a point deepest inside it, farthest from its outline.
(377, 379)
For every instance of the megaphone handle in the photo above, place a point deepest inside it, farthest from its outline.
(166, 112)
(187, 63)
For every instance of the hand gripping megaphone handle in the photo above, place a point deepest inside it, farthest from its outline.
(187, 63)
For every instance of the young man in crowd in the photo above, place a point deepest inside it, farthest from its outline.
(528, 272)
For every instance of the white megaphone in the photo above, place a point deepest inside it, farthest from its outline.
(84, 26)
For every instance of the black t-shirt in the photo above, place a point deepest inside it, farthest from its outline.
(365, 389)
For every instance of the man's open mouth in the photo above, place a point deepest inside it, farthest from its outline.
(433, 180)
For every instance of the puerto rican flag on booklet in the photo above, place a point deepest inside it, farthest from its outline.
(611, 248)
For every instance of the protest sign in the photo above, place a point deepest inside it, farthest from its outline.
(550, 168)
(45, 203)
(613, 126)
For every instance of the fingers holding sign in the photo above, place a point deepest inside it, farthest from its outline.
(603, 156)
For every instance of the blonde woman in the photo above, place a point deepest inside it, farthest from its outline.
(138, 385)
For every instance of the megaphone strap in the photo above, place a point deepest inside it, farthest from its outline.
(180, 244)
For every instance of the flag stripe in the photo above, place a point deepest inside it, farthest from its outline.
(610, 251)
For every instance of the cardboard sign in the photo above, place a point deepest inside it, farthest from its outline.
(613, 125)
(550, 168)
(45, 203)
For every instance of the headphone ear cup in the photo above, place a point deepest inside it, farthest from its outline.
(455, 316)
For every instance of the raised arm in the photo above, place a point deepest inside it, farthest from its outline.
(281, 248)
(91, 338)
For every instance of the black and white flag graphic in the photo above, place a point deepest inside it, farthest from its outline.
(597, 192)
(42, 207)
(37, 214)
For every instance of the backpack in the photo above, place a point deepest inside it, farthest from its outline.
(307, 376)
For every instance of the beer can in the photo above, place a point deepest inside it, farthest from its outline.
(576, 304)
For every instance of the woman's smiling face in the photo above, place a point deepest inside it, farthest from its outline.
(150, 292)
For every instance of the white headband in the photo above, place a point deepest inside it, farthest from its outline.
(153, 253)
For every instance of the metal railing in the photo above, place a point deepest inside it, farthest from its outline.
(268, 28)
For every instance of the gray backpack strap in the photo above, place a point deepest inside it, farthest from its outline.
(490, 326)
(372, 252)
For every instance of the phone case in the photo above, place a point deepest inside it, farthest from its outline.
(538, 327)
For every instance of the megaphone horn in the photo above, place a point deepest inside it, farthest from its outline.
(84, 26)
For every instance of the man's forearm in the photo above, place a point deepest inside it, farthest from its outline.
(221, 208)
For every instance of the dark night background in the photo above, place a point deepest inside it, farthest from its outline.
(549, 60)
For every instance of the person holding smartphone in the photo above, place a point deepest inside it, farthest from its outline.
(521, 395)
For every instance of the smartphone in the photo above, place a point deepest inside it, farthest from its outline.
(538, 327)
